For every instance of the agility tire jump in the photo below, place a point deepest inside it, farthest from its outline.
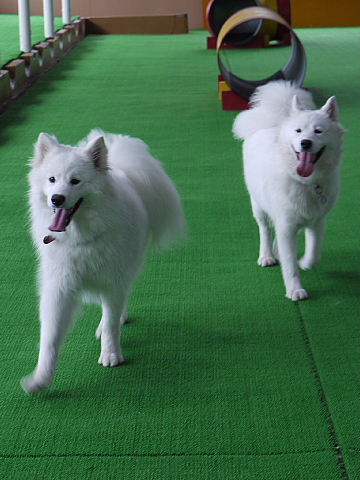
(218, 11)
(294, 69)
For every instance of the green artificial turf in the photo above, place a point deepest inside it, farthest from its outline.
(225, 378)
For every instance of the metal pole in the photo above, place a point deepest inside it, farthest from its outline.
(66, 11)
(48, 18)
(24, 25)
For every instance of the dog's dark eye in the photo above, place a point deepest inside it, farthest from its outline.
(74, 181)
(318, 130)
(52, 179)
(298, 130)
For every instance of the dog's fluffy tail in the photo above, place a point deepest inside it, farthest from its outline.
(157, 191)
(270, 105)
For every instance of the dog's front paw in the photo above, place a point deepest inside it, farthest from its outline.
(32, 384)
(111, 359)
(296, 295)
(266, 261)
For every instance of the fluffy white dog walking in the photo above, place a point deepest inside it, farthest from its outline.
(292, 154)
(94, 208)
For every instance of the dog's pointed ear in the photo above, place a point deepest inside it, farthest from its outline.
(331, 109)
(44, 144)
(97, 151)
(295, 105)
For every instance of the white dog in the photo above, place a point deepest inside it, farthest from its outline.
(291, 156)
(101, 201)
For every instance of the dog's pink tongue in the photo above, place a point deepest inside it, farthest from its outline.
(59, 222)
(306, 164)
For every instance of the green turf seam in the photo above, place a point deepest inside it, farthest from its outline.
(170, 455)
(322, 398)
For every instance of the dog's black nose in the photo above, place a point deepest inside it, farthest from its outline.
(57, 200)
(306, 144)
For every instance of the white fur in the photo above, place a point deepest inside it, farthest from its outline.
(127, 200)
(281, 118)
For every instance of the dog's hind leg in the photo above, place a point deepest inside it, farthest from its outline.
(266, 257)
(57, 312)
(109, 330)
(123, 319)
(275, 250)
(313, 240)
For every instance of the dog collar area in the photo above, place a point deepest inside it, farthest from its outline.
(48, 239)
(319, 192)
